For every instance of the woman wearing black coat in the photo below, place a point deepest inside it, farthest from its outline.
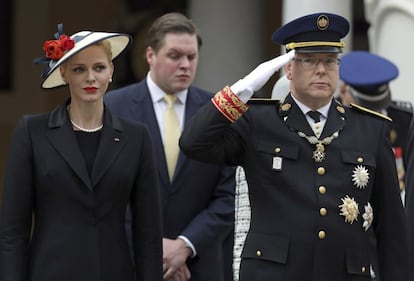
(71, 173)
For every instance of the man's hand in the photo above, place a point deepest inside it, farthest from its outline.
(182, 274)
(255, 80)
(175, 254)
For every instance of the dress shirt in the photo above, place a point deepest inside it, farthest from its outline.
(160, 106)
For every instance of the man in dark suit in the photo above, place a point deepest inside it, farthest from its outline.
(322, 177)
(197, 198)
(366, 81)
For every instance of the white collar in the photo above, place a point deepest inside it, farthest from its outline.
(305, 109)
(157, 94)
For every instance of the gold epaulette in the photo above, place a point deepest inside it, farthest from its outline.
(262, 101)
(364, 109)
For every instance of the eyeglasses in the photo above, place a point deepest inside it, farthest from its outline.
(311, 63)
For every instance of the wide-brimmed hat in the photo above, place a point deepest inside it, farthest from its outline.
(64, 47)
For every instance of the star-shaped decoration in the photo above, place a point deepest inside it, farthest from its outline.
(349, 209)
(360, 177)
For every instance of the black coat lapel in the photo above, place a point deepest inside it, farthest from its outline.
(143, 111)
(294, 117)
(111, 143)
(335, 121)
(63, 139)
(193, 104)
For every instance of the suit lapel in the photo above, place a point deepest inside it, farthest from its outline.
(335, 121)
(296, 120)
(143, 111)
(193, 103)
(111, 143)
(294, 117)
(147, 115)
(63, 139)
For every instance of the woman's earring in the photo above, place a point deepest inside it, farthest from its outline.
(110, 80)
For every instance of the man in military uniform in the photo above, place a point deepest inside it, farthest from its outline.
(409, 199)
(366, 78)
(322, 178)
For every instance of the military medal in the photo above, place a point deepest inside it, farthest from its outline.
(319, 153)
(349, 209)
(360, 177)
(368, 216)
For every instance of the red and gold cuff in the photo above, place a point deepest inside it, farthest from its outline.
(229, 104)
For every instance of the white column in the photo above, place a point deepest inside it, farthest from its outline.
(392, 23)
(232, 33)
(298, 8)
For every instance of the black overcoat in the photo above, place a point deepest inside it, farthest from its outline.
(78, 220)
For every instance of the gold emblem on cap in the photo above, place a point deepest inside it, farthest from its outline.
(322, 22)
(286, 106)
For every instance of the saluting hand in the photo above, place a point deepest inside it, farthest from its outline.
(255, 80)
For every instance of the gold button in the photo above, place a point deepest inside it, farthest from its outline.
(277, 149)
(360, 159)
(323, 211)
(363, 269)
(321, 171)
(322, 189)
(258, 253)
(321, 234)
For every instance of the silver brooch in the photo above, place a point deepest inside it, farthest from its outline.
(360, 177)
(368, 216)
(349, 209)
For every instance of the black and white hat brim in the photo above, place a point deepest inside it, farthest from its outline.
(83, 39)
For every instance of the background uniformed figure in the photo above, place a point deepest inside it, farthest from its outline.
(366, 80)
(409, 198)
(322, 178)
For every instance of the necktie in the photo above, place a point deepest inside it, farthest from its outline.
(172, 133)
(315, 115)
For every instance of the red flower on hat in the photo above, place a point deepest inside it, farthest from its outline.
(67, 43)
(55, 49)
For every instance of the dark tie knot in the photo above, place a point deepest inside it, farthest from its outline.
(315, 115)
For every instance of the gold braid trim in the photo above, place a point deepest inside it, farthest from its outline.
(294, 45)
(364, 109)
(229, 104)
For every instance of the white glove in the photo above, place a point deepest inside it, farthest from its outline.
(254, 81)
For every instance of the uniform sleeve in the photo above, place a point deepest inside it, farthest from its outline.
(211, 134)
